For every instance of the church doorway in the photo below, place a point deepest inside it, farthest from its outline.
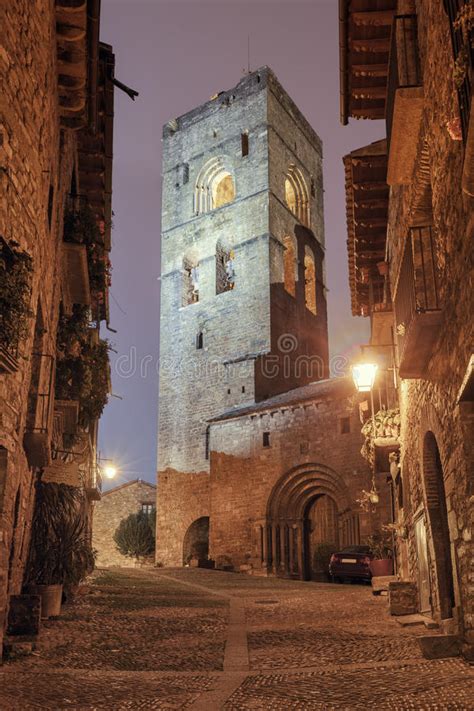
(321, 536)
(196, 540)
(306, 509)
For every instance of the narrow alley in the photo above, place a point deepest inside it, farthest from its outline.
(197, 639)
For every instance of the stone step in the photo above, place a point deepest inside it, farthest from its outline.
(439, 646)
(409, 620)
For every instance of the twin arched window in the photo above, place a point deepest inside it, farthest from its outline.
(296, 195)
(290, 264)
(215, 185)
(225, 274)
(309, 281)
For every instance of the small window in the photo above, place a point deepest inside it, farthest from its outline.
(345, 425)
(228, 391)
(313, 188)
(185, 173)
(199, 341)
(244, 139)
(207, 442)
(147, 508)
(266, 439)
(243, 388)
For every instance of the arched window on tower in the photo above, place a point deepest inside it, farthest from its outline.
(190, 274)
(290, 273)
(309, 281)
(215, 185)
(225, 267)
(296, 195)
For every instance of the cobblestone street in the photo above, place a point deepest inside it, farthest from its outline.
(195, 639)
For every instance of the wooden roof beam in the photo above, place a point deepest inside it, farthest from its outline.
(375, 45)
(374, 18)
(369, 92)
(369, 70)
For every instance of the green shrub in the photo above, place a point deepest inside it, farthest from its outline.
(134, 536)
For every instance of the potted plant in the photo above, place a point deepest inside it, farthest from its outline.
(381, 548)
(60, 555)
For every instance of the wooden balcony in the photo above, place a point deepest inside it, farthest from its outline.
(39, 421)
(76, 289)
(405, 101)
(418, 312)
(94, 485)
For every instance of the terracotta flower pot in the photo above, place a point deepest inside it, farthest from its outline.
(381, 567)
(51, 597)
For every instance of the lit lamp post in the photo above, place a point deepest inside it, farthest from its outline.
(363, 375)
(110, 472)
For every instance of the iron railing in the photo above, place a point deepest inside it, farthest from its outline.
(417, 290)
(404, 70)
(463, 53)
(41, 397)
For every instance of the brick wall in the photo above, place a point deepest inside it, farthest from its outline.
(115, 505)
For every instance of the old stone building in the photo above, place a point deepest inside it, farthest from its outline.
(55, 189)
(411, 258)
(115, 505)
(253, 436)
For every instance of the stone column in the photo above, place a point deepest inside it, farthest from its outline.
(291, 539)
(283, 556)
(274, 549)
(299, 548)
(265, 547)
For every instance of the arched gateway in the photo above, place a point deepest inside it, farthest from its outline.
(308, 503)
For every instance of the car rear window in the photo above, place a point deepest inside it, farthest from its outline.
(356, 549)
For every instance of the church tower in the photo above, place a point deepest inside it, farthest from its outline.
(243, 306)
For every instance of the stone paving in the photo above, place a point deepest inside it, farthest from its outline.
(204, 640)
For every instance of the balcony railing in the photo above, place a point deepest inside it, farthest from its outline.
(417, 303)
(463, 52)
(39, 422)
(404, 70)
(404, 104)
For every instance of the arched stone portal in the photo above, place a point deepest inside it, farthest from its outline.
(438, 518)
(196, 540)
(293, 503)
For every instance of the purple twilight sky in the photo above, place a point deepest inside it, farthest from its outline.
(177, 54)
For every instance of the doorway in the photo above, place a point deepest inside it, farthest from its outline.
(321, 537)
(424, 585)
(438, 518)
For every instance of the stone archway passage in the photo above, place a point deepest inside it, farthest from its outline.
(284, 535)
(438, 518)
(196, 540)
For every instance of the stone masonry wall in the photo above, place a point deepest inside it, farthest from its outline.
(34, 157)
(430, 405)
(115, 505)
(237, 326)
(244, 471)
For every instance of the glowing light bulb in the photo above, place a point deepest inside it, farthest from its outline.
(110, 471)
(363, 375)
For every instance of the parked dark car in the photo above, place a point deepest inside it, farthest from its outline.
(351, 563)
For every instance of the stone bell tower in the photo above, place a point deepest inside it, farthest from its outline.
(243, 308)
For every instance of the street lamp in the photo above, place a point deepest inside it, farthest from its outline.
(110, 471)
(363, 375)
